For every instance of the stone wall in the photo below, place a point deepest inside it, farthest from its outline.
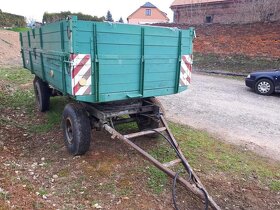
(226, 12)
(253, 40)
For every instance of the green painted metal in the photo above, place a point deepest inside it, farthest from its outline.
(31, 63)
(28, 34)
(41, 38)
(142, 64)
(96, 64)
(63, 76)
(127, 61)
(43, 67)
(62, 37)
(22, 53)
(178, 62)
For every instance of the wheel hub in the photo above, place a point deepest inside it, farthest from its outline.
(69, 131)
(37, 95)
(264, 87)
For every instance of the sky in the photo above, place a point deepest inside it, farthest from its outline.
(34, 9)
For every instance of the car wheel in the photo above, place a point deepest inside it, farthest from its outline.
(76, 129)
(264, 87)
(42, 94)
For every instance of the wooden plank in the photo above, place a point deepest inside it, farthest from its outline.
(160, 166)
(172, 163)
(211, 201)
(143, 133)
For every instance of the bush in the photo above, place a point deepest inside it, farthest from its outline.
(53, 17)
(11, 20)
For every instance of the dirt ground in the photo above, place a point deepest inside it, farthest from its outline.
(9, 48)
(36, 171)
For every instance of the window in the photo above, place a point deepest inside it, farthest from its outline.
(176, 16)
(268, 17)
(209, 19)
(148, 12)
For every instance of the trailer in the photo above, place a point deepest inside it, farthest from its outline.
(113, 73)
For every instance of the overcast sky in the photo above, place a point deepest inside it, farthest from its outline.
(119, 8)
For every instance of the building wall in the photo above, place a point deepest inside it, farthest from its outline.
(140, 16)
(220, 12)
(144, 21)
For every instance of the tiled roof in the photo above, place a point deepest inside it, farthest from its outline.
(148, 5)
(184, 2)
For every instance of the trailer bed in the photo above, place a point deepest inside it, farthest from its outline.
(101, 62)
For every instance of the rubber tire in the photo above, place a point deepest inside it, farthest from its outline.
(271, 87)
(80, 129)
(42, 94)
(159, 104)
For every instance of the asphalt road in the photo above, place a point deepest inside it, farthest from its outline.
(229, 110)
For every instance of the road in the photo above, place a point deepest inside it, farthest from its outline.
(229, 110)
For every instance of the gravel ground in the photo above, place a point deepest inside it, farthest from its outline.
(229, 110)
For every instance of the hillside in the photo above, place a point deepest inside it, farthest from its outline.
(10, 48)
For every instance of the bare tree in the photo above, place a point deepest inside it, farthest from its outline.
(230, 11)
(257, 10)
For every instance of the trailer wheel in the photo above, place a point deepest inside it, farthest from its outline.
(42, 94)
(148, 123)
(76, 129)
(159, 104)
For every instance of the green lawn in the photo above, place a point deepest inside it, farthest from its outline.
(18, 29)
(214, 156)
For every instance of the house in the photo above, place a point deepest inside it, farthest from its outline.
(148, 13)
(225, 11)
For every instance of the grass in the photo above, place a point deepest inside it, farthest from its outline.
(4, 195)
(19, 99)
(226, 158)
(275, 185)
(157, 180)
(202, 150)
(23, 98)
(19, 29)
(42, 191)
(18, 76)
(52, 117)
(213, 156)
(234, 63)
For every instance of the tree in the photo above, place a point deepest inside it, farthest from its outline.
(30, 22)
(53, 17)
(258, 10)
(120, 20)
(109, 17)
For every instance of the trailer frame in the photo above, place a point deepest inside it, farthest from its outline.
(105, 115)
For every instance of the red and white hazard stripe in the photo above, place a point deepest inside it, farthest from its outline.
(81, 74)
(186, 70)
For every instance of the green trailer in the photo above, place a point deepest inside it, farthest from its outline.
(112, 72)
(101, 62)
